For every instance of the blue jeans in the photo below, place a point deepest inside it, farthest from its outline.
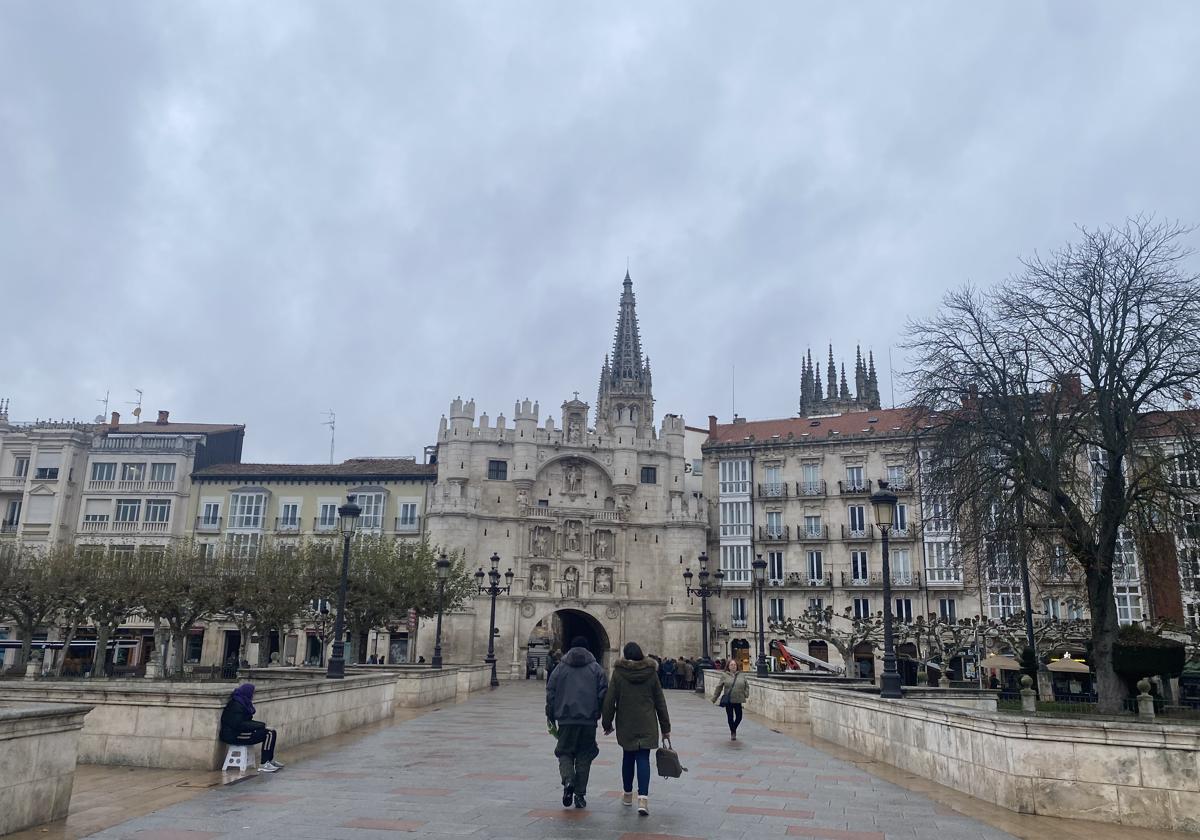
(640, 759)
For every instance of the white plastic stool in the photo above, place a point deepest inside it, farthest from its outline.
(239, 756)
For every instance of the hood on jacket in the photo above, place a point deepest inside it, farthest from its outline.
(638, 670)
(578, 657)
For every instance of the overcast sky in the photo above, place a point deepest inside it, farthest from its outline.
(256, 212)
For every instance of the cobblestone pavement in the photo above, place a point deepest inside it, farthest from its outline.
(486, 769)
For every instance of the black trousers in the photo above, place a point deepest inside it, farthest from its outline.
(263, 736)
(575, 750)
(733, 712)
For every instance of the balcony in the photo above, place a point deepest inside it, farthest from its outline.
(143, 444)
(906, 580)
(737, 623)
(94, 526)
(324, 526)
(806, 581)
(132, 485)
(810, 488)
(245, 523)
(208, 525)
(774, 533)
(871, 580)
(411, 525)
(153, 486)
(9, 527)
(857, 534)
(775, 490)
(821, 534)
(287, 525)
(905, 486)
(123, 527)
(845, 488)
(12, 482)
(156, 527)
(904, 534)
(101, 485)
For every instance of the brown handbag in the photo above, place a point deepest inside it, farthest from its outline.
(667, 761)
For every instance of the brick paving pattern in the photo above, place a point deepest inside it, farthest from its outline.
(485, 769)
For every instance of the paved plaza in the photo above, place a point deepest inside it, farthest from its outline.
(485, 769)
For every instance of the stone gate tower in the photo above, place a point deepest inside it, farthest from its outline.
(592, 517)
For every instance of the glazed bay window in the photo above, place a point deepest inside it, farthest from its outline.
(941, 564)
(497, 470)
(1129, 604)
(246, 510)
(243, 546)
(816, 568)
(859, 568)
(128, 510)
(372, 510)
(939, 515)
(649, 475)
(1003, 600)
(775, 565)
(734, 478)
(735, 563)
(897, 478)
(735, 519)
(1125, 567)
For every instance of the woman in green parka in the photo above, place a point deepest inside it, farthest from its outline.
(636, 698)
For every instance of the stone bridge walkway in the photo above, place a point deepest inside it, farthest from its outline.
(485, 769)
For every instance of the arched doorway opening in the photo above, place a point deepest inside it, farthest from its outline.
(555, 632)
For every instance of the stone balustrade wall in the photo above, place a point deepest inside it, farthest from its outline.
(1139, 774)
(38, 748)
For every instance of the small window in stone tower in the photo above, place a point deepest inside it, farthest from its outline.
(498, 470)
(649, 475)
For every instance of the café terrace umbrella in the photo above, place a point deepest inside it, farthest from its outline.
(1000, 663)
(1069, 665)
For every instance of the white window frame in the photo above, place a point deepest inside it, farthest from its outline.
(776, 609)
(735, 563)
(163, 471)
(902, 610)
(860, 566)
(104, 471)
(948, 609)
(813, 526)
(246, 510)
(158, 510)
(775, 566)
(373, 507)
(815, 566)
(862, 608)
(123, 505)
(210, 514)
(734, 477)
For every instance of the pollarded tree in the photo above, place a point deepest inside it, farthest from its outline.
(264, 589)
(844, 631)
(1053, 401)
(118, 581)
(32, 591)
(182, 587)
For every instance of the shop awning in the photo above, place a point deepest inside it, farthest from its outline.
(1000, 663)
(1069, 665)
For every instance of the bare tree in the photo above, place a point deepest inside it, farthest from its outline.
(1054, 400)
(844, 631)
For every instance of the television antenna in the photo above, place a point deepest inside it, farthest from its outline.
(104, 411)
(332, 424)
(137, 411)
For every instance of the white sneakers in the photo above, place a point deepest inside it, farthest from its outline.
(627, 798)
(269, 766)
(644, 805)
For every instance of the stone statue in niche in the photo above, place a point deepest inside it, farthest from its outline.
(604, 580)
(539, 578)
(573, 478)
(574, 430)
(570, 584)
(523, 497)
(603, 544)
(540, 542)
(574, 535)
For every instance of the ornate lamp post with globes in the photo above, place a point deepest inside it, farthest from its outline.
(760, 581)
(710, 586)
(347, 523)
(884, 503)
(493, 589)
(443, 572)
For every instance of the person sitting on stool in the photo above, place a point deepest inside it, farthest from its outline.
(239, 728)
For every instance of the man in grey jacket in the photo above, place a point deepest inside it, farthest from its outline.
(574, 696)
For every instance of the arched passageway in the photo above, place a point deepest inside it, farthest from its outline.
(560, 627)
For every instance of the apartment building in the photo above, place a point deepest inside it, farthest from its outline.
(235, 507)
(42, 464)
(138, 479)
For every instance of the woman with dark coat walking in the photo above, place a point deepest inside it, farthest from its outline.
(635, 697)
(239, 727)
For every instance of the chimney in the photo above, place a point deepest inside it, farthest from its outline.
(712, 425)
(162, 417)
(115, 420)
(1072, 385)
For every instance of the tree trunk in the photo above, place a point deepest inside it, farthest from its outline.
(68, 637)
(178, 651)
(26, 648)
(1110, 689)
(100, 657)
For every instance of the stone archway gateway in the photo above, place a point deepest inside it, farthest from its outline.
(561, 626)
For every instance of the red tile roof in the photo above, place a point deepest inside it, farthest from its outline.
(856, 424)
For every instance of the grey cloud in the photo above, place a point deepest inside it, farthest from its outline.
(255, 213)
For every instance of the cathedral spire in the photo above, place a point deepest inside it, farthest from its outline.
(844, 390)
(831, 379)
(625, 383)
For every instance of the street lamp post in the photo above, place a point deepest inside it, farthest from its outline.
(884, 502)
(443, 572)
(493, 589)
(348, 521)
(710, 586)
(760, 581)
